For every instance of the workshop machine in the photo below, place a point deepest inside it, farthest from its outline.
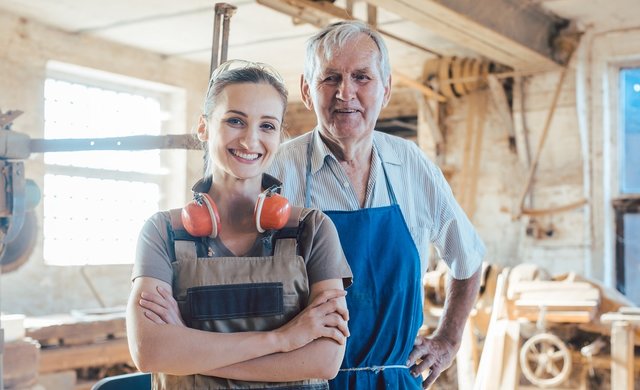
(18, 197)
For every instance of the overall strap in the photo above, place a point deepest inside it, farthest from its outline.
(286, 239)
(185, 246)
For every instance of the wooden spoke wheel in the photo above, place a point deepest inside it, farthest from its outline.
(545, 360)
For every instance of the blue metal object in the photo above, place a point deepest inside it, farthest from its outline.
(135, 381)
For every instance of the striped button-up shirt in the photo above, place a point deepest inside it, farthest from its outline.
(431, 212)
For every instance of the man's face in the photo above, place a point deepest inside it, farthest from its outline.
(347, 91)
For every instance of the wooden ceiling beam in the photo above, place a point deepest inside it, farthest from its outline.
(320, 13)
(513, 33)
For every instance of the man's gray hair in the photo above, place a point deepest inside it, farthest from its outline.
(335, 36)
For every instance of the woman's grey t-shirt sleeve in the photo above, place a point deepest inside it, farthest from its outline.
(320, 246)
(152, 252)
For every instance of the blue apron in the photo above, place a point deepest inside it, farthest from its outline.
(385, 300)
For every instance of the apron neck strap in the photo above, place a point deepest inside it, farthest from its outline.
(392, 195)
(307, 184)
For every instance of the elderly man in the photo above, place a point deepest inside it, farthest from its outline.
(389, 203)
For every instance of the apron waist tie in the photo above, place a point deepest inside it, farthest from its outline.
(375, 369)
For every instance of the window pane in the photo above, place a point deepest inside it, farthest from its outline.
(80, 111)
(94, 221)
(95, 202)
(630, 134)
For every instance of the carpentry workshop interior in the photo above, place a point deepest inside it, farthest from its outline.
(530, 108)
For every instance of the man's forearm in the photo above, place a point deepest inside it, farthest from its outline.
(460, 299)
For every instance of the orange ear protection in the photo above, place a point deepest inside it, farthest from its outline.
(201, 218)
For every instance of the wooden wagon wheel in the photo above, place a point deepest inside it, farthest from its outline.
(467, 73)
(457, 65)
(545, 360)
(444, 77)
(484, 72)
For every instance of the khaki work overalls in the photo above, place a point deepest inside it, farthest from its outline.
(236, 294)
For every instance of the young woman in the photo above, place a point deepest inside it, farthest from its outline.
(238, 289)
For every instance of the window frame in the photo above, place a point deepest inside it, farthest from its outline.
(622, 203)
(630, 204)
(172, 101)
(621, 136)
(600, 56)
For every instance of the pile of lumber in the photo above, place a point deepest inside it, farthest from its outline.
(80, 340)
(561, 301)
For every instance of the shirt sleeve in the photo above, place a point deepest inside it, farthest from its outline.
(321, 249)
(454, 236)
(152, 253)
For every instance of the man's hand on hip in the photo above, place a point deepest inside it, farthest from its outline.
(435, 354)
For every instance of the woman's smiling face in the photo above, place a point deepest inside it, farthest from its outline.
(244, 129)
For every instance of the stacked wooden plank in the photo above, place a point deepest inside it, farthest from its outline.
(79, 340)
(21, 354)
(560, 301)
(20, 364)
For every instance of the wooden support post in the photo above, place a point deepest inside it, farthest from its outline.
(477, 159)
(622, 348)
(490, 366)
(622, 356)
(349, 6)
(502, 105)
(465, 363)
(521, 132)
(472, 153)
(429, 136)
(372, 15)
(510, 374)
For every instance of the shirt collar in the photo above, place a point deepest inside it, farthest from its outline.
(387, 154)
(320, 151)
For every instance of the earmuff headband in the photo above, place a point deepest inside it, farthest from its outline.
(212, 214)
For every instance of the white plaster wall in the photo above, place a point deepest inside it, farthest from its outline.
(501, 177)
(25, 47)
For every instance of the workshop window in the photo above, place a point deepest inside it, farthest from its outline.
(627, 206)
(630, 131)
(95, 202)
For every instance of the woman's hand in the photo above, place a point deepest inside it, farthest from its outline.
(325, 316)
(161, 308)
